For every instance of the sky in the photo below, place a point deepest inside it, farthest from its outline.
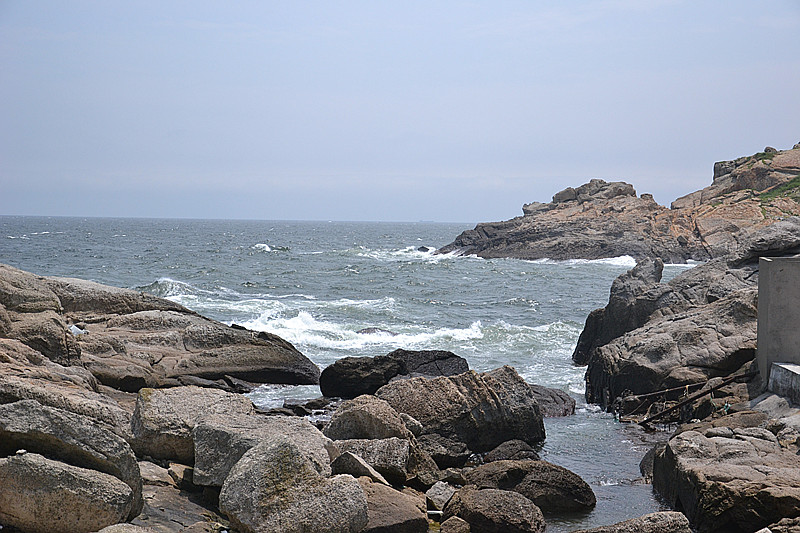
(381, 110)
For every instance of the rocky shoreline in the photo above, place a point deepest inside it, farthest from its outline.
(601, 220)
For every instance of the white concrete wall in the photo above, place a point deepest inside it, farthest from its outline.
(778, 313)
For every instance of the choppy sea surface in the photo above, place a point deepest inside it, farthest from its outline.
(318, 284)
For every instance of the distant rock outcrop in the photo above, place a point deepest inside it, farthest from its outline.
(599, 219)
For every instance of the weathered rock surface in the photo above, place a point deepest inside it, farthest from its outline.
(391, 511)
(70, 438)
(352, 464)
(663, 522)
(26, 374)
(366, 417)
(163, 419)
(168, 509)
(391, 457)
(495, 511)
(221, 439)
(274, 487)
(447, 453)
(455, 524)
(130, 340)
(701, 325)
(600, 219)
(551, 487)
(349, 377)
(480, 410)
(439, 495)
(39, 495)
(736, 483)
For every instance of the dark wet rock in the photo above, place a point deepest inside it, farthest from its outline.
(495, 511)
(70, 438)
(551, 487)
(353, 376)
(391, 511)
(480, 410)
(553, 402)
(736, 485)
(446, 452)
(663, 522)
(274, 487)
(163, 419)
(512, 450)
(39, 495)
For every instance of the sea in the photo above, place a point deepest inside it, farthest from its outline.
(320, 284)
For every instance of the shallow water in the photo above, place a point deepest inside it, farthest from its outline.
(317, 284)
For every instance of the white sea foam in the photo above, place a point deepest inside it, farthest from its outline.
(622, 261)
(262, 247)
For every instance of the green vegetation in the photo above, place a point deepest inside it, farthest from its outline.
(790, 189)
(760, 156)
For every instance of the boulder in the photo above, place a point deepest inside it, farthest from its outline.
(353, 376)
(447, 453)
(391, 511)
(662, 522)
(734, 484)
(512, 450)
(71, 438)
(390, 457)
(39, 495)
(439, 495)
(168, 509)
(366, 417)
(495, 511)
(274, 487)
(26, 374)
(129, 340)
(551, 487)
(455, 524)
(152, 474)
(349, 463)
(480, 410)
(553, 402)
(163, 420)
(220, 440)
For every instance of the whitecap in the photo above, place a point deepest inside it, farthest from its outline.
(262, 247)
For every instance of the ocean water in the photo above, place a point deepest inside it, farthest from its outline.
(318, 284)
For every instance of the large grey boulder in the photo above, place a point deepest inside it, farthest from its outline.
(736, 483)
(366, 417)
(163, 420)
(495, 511)
(26, 374)
(220, 440)
(391, 511)
(662, 522)
(551, 487)
(353, 376)
(480, 410)
(391, 457)
(274, 487)
(39, 495)
(70, 438)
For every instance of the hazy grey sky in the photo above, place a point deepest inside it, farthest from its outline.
(381, 110)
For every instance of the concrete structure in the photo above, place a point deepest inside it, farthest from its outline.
(778, 313)
(784, 380)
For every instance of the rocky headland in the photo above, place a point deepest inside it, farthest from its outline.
(600, 220)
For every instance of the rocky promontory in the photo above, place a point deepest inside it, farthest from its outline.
(601, 219)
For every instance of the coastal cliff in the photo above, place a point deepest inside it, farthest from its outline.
(600, 219)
